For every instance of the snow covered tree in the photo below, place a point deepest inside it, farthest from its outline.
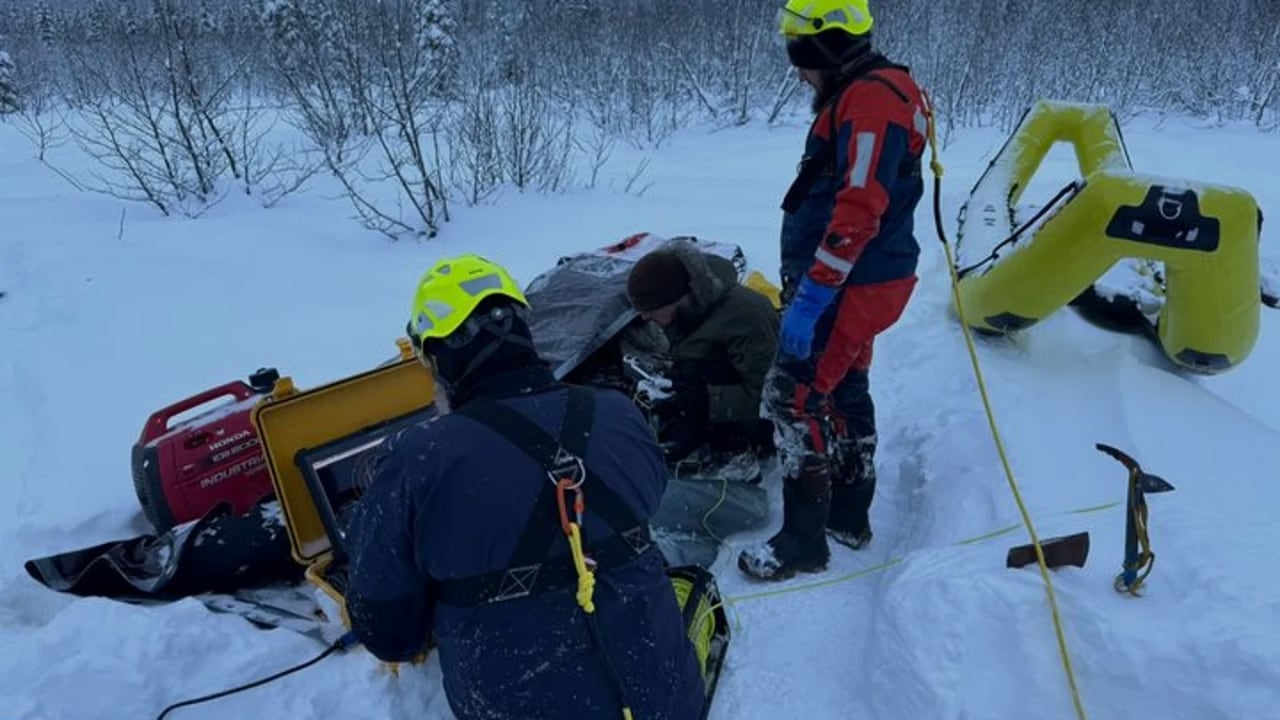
(369, 83)
(285, 22)
(304, 46)
(9, 99)
(45, 27)
(401, 66)
(434, 33)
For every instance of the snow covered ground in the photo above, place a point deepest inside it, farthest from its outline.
(111, 312)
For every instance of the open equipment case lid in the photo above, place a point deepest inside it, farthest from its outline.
(296, 427)
(338, 472)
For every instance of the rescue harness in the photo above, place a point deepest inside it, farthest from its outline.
(533, 569)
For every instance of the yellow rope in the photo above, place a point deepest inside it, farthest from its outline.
(706, 517)
(586, 591)
(1094, 508)
(1017, 496)
(882, 566)
(936, 166)
(586, 578)
(700, 632)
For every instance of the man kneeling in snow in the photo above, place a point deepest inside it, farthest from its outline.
(461, 532)
(723, 338)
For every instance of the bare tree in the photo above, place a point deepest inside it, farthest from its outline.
(413, 67)
(370, 83)
(309, 64)
(40, 117)
(158, 113)
(180, 100)
(475, 166)
(535, 144)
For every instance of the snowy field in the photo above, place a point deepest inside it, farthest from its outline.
(112, 311)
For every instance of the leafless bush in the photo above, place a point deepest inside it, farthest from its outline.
(371, 83)
(787, 83)
(511, 136)
(271, 169)
(39, 116)
(475, 167)
(135, 130)
(176, 98)
(159, 114)
(310, 66)
(535, 143)
(41, 122)
(597, 149)
(631, 183)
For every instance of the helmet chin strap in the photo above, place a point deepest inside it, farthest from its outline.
(501, 330)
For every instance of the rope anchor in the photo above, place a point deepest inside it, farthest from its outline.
(1137, 562)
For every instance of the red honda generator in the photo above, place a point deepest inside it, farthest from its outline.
(183, 469)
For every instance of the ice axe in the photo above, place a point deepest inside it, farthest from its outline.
(1059, 551)
(1137, 563)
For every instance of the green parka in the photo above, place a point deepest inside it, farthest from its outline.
(728, 330)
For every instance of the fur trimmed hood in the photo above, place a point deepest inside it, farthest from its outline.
(710, 276)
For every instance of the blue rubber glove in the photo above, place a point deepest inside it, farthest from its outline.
(802, 315)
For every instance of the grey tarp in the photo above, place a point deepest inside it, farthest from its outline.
(581, 303)
(698, 513)
(578, 307)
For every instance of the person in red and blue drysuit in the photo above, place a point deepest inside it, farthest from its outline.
(848, 256)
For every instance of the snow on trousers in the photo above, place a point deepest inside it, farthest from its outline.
(821, 406)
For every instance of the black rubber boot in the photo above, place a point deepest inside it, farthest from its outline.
(849, 523)
(801, 544)
(853, 488)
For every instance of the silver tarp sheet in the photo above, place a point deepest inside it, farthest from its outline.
(581, 303)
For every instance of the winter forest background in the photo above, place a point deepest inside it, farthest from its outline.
(412, 106)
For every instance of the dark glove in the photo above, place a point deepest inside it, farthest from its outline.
(787, 291)
(683, 418)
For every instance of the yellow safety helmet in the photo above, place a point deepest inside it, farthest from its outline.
(809, 17)
(449, 293)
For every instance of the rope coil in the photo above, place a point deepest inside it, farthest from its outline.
(702, 629)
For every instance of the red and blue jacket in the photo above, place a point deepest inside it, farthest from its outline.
(850, 214)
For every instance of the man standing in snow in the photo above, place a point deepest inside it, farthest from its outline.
(849, 257)
(723, 338)
(464, 532)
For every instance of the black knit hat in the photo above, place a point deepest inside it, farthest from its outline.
(829, 50)
(657, 280)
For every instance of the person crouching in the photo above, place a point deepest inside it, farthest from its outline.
(460, 534)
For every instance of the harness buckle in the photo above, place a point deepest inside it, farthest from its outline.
(567, 466)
